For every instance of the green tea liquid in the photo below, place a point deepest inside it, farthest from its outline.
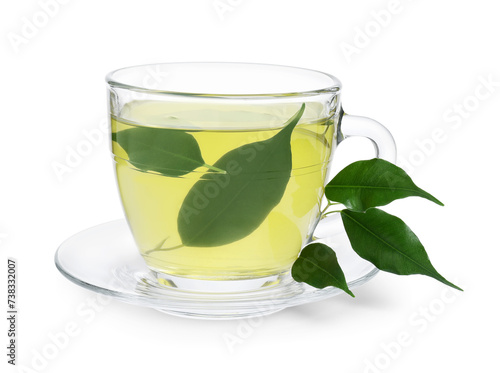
(152, 201)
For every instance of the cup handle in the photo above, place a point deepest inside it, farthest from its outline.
(385, 147)
(352, 125)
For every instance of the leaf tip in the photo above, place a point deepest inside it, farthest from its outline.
(298, 115)
(455, 286)
(434, 199)
(215, 169)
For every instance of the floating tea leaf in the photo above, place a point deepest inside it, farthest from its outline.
(223, 208)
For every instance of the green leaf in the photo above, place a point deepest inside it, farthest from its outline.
(318, 266)
(223, 208)
(388, 243)
(167, 151)
(372, 183)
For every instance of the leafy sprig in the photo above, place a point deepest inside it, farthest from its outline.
(380, 238)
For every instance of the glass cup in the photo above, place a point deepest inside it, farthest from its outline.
(221, 167)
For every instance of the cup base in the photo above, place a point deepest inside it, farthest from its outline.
(217, 286)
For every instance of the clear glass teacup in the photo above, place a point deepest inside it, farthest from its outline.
(221, 167)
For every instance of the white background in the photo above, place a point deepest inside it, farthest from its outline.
(417, 66)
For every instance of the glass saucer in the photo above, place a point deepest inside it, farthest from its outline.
(105, 259)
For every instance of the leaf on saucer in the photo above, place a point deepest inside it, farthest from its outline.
(318, 266)
(388, 243)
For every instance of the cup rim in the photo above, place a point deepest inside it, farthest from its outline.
(334, 87)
